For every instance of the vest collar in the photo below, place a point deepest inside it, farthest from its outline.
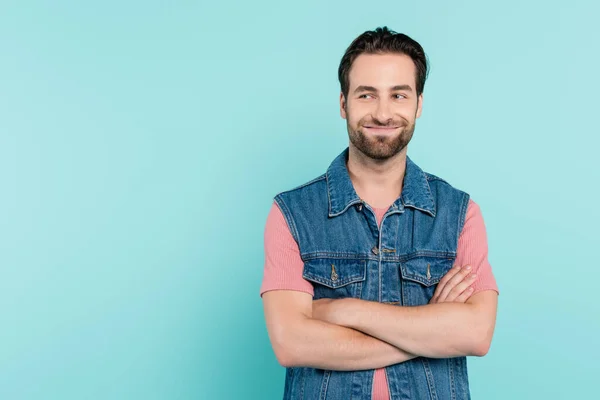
(416, 192)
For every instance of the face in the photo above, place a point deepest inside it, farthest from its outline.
(382, 104)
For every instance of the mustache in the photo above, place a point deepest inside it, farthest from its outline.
(388, 124)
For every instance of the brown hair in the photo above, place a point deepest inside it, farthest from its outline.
(381, 41)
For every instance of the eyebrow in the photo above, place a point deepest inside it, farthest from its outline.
(363, 88)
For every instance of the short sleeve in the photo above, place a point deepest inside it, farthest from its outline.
(283, 265)
(473, 249)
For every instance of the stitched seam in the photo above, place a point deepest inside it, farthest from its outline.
(321, 177)
(328, 190)
(341, 281)
(359, 289)
(429, 376)
(327, 282)
(451, 372)
(302, 381)
(324, 385)
(397, 258)
(463, 215)
(433, 210)
(288, 218)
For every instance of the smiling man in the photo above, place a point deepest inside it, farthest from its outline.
(376, 281)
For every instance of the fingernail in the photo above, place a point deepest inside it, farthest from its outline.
(470, 289)
(468, 267)
(473, 276)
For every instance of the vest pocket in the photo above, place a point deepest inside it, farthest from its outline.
(420, 276)
(335, 278)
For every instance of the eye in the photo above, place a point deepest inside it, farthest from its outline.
(363, 96)
(399, 96)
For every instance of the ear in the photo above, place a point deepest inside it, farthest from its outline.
(419, 105)
(342, 105)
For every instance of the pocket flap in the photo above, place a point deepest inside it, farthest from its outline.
(335, 273)
(426, 270)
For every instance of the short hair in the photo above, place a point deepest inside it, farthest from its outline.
(381, 41)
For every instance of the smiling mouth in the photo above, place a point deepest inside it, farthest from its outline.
(382, 129)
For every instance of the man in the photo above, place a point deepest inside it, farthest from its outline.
(376, 281)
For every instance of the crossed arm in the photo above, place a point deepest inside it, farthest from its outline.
(299, 339)
(350, 334)
(353, 334)
(434, 330)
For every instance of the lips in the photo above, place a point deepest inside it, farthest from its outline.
(382, 129)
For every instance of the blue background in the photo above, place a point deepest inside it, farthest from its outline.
(141, 144)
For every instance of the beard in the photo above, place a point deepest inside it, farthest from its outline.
(384, 146)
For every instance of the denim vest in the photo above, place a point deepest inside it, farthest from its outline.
(346, 254)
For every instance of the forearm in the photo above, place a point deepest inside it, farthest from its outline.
(434, 330)
(319, 344)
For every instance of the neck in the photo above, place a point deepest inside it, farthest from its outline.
(378, 182)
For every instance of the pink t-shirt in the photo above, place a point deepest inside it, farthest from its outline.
(284, 267)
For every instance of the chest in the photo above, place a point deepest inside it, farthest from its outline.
(386, 256)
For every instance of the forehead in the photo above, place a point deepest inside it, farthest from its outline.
(382, 70)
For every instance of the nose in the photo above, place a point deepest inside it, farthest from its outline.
(383, 112)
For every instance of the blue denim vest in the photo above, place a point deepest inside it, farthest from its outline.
(346, 254)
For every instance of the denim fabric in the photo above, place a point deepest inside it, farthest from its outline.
(346, 254)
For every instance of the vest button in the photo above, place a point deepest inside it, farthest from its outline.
(375, 250)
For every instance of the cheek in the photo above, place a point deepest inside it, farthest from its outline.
(355, 116)
(354, 121)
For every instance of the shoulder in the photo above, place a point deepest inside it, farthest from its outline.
(300, 200)
(436, 182)
(309, 192)
(448, 199)
(316, 182)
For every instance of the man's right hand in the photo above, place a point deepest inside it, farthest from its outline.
(455, 286)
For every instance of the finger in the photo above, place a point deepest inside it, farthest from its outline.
(464, 296)
(445, 284)
(455, 280)
(442, 283)
(461, 287)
